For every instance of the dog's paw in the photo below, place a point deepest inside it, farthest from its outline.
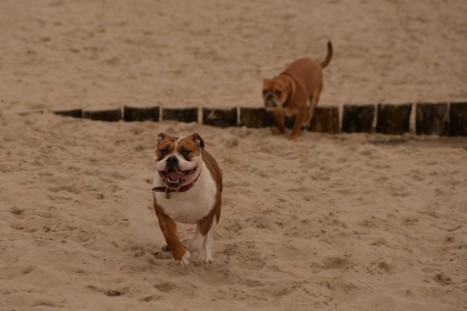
(185, 261)
(278, 132)
(205, 257)
(191, 245)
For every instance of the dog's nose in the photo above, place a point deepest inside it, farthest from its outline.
(172, 161)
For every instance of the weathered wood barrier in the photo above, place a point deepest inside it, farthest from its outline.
(393, 119)
(458, 119)
(110, 115)
(180, 114)
(430, 118)
(141, 113)
(325, 120)
(220, 117)
(74, 113)
(255, 117)
(358, 118)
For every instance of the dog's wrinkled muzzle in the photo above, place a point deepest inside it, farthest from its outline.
(269, 101)
(173, 176)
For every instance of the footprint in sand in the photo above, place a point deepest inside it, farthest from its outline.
(108, 292)
(336, 262)
(166, 286)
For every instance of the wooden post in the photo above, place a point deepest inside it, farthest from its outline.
(220, 117)
(358, 118)
(256, 117)
(325, 120)
(393, 119)
(141, 113)
(109, 115)
(458, 119)
(180, 114)
(432, 119)
(74, 113)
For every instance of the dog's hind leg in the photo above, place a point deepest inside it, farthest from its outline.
(203, 238)
(206, 252)
(314, 98)
(194, 244)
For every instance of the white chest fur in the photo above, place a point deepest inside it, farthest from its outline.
(192, 205)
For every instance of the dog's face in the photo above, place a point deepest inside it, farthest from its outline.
(275, 92)
(178, 159)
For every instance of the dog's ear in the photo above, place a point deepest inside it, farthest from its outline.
(161, 136)
(198, 140)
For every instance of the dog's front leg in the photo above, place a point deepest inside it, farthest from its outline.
(169, 230)
(297, 126)
(279, 117)
(313, 103)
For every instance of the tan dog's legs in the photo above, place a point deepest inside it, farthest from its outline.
(169, 229)
(313, 103)
(297, 126)
(279, 117)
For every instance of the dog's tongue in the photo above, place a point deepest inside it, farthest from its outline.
(174, 175)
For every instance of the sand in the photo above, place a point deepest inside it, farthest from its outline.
(326, 222)
(216, 53)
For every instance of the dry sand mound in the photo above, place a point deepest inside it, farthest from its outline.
(350, 222)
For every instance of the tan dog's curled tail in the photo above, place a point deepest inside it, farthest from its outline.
(327, 60)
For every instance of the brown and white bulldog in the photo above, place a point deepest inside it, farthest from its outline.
(289, 93)
(187, 188)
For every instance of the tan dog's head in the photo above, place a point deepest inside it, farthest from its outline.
(276, 92)
(178, 159)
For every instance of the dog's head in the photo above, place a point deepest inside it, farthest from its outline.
(276, 91)
(178, 159)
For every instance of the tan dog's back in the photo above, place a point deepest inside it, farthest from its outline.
(307, 72)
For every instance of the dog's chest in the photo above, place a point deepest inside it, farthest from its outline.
(192, 205)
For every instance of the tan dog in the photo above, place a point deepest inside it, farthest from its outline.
(289, 93)
(187, 188)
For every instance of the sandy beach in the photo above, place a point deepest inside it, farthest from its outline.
(326, 222)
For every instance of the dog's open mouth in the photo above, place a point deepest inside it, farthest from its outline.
(175, 178)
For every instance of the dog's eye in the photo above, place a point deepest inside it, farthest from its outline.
(164, 151)
(278, 93)
(185, 153)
